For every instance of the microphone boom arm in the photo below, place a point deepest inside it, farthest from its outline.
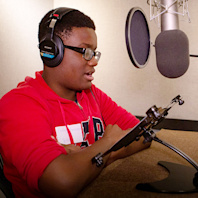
(154, 116)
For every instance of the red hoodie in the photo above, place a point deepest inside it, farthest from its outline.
(32, 113)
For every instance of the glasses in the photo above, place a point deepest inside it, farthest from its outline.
(87, 53)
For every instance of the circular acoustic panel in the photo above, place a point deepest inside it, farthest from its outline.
(137, 37)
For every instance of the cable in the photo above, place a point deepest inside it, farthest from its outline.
(182, 154)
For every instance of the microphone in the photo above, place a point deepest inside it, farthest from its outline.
(172, 45)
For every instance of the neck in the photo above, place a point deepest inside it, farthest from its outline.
(58, 89)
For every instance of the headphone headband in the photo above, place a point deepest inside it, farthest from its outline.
(58, 14)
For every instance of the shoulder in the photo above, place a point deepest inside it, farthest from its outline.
(22, 99)
(20, 94)
(98, 92)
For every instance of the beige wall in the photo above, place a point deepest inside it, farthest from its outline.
(19, 55)
(135, 89)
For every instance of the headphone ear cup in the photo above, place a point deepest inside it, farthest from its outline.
(52, 51)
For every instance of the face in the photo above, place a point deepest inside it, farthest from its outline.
(75, 73)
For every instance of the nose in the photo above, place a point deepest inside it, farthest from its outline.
(93, 62)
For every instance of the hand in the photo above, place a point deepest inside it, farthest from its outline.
(115, 133)
(131, 149)
(69, 148)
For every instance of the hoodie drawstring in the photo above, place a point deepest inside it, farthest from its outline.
(63, 115)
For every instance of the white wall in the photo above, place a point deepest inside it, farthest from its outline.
(135, 89)
(138, 89)
(19, 55)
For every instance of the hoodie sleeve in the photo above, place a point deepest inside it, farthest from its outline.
(25, 137)
(112, 113)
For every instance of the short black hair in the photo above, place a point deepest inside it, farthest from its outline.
(65, 25)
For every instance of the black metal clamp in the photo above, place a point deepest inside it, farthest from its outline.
(144, 128)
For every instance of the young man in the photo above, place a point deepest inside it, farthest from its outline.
(52, 126)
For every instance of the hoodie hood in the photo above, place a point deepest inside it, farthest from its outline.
(43, 89)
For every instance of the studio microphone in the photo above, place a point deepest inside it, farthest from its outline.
(172, 46)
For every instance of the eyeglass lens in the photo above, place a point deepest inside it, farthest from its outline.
(89, 53)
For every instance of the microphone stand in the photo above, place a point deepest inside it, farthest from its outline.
(181, 179)
(182, 154)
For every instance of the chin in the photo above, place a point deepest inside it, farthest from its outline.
(87, 86)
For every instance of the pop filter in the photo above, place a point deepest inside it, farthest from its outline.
(137, 37)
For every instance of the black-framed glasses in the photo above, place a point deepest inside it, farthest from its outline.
(87, 53)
